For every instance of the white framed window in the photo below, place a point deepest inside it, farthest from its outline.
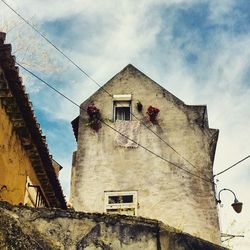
(121, 202)
(122, 107)
(122, 111)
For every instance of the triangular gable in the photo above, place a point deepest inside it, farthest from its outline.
(132, 70)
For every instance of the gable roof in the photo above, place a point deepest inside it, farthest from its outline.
(130, 69)
(19, 108)
(201, 110)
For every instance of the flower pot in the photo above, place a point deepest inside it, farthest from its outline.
(139, 106)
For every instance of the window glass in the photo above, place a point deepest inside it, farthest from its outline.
(122, 113)
(120, 199)
(122, 110)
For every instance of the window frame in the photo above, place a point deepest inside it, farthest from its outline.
(123, 104)
(121, 206)
(122, 101)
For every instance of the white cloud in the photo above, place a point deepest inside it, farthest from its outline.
(220, 12)
(109, 35)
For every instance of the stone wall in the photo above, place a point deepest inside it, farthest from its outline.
(36, 229)
(165, 192)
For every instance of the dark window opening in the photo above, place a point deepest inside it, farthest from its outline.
(120, 199)
(122, 113)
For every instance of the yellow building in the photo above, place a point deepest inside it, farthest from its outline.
(28, 175)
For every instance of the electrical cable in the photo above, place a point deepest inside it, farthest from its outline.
(232, 166)
(93, 80)
(140, 145)
(53, 45)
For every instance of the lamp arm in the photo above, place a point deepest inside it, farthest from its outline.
(226, 189)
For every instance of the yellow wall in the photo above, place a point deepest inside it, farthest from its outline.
(15, 165)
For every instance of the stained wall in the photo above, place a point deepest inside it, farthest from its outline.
(165, 191)
(15, 165)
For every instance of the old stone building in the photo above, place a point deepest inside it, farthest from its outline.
(152, 156)
(28, 174)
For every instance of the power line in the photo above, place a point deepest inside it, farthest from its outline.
(53, 45)
(93, 80)
(140, 145)
(230, 236)
(232, 166)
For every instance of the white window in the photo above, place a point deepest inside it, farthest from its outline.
(121, 202)
(122, 107)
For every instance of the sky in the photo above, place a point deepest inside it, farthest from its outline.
(199, 50)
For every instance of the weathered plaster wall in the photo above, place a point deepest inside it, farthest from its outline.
(15, 165)
(47, 229)
(165, 192)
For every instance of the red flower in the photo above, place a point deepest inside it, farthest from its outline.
(92, 109)
(152, 112)
(94, 117)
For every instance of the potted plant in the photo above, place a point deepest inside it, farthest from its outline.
(94, 117)
(152, 112)
(139, 106)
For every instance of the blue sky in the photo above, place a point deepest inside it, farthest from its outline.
(197, 49)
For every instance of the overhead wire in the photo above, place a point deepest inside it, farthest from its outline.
(223, 171)
(117, 131)
(53, 45)
(99, 85)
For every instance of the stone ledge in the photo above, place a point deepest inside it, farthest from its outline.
(46, 228)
